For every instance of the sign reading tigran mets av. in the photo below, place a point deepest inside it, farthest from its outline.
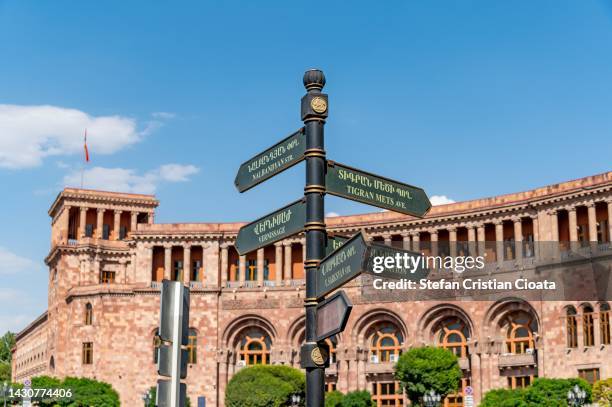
(271, 228)
(375, 190)
(272, 161)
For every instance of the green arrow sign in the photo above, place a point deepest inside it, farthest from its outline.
(342, 265)
(410, 264)
(271, 228)
(334, 242)
(374, 190)
(272, 161)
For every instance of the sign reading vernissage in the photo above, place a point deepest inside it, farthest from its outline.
(390, 262)
(332, 315)
(374, 190)
(272, 161)
(271, 228)
(342, 265)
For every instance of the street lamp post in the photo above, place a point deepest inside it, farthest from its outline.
(146, 397)
(576, 396)
(431, 399)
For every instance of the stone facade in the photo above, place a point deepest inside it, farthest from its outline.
(108, 258)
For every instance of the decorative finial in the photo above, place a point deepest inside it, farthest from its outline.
(314, 79)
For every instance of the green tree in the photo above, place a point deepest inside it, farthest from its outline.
(553, 392)
(504, 398)
(46, 382)
(7, 342)
(602, 392)
(428, 368)
(88, 392)
(333, 399)
(357, 398)
(265, 386)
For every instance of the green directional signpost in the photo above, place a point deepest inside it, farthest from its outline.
(271, 228)
(374, 190)
(274, 160)
(330, 261)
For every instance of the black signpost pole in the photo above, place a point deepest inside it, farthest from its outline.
(314, 112)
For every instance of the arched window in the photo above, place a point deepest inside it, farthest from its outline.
(192, 346)
(452, 335)
(604, 323)
(588, 329)
(572, 328)
(255, 347)
(385, 343)
(88, 314)
(520, 329)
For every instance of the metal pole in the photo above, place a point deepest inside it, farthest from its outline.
(175, 380)
(314, 112)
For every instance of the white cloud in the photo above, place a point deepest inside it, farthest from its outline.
(331, 214)
(440, 200)
(11, 263)
(129, 180)
(28, 134)
(15, 322)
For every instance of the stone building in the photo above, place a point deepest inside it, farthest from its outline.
(108, 258)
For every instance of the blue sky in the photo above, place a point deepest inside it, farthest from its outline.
(464, 98)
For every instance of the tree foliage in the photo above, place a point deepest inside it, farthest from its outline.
(7, 342)
(504, 398)
(333, 399)
(359, 398)
(602, 392)
(542, 393)
(428, 368)
(85, 392)
(265, 386)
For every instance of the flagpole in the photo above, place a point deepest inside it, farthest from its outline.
(86, 158)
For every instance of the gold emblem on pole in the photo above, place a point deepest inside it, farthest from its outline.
(318, 104)
(318, 356)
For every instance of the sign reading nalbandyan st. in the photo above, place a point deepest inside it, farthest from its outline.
(374, 190)
(271, 228)
(272, 161)
(342, 265)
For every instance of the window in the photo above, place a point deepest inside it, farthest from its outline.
(107, 276)
(386, 343)
(105, 232)
(87, 353)
(588, 329)
(177, 271)
(387, 394)
(195, 270)
(251, 270)
(604, 323)
(89, 229)
(590, 375)
(331, 342)
(192, 346)
(521, 327)
(519, 382)
(88, 314)
(255, 347)
(330, 386)
(453, 336)
(572, 328)
(122, 232)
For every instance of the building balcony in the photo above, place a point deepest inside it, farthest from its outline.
(514, 360)
(379, 368)
(196, 285)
